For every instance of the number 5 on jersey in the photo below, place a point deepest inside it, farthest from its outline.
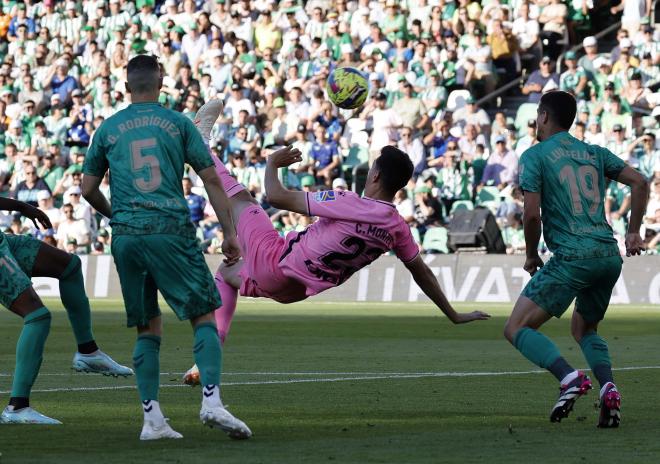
(145, 167)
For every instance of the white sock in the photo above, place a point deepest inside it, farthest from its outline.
(211, 397)
(569, 378)
(152, 412)
(602, 390)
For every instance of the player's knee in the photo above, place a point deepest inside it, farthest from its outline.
(73, 267)
(510, 330)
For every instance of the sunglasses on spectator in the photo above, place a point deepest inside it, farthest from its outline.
(452, 147)
(31, 173)
(405, 134)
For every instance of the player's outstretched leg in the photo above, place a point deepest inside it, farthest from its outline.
(223, 315)
(52, 262)
(29, 354)
(146, 360)
(596, 352)
(521, 331)
(208, 357)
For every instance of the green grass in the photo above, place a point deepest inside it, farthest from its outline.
(430, 419)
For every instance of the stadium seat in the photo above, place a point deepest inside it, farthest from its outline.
(457, 99)
(525, 112)
(488, 194)
(461, 204)
(435, 240)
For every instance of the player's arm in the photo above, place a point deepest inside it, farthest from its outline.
(532, 229)
(222, 208)
(35, 214)
(639, 196)
(426, 280)
(279, 196)
(91, 193)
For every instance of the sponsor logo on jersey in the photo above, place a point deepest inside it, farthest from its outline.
(325, 195)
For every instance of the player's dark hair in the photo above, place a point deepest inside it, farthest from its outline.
(143, 74)
(560, 106)
(395, 168)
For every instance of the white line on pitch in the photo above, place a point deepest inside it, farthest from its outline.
(336, 379)
(381, 373)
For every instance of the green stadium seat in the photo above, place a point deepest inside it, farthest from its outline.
(526, 111)
(435, 240)
(460, 205)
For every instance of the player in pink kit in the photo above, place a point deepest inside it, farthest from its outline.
(351, 233)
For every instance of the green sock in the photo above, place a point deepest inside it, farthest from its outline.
(207, 352)
(146, 361)
(74, 299)
(597, 354)
(29, 351)
(536, 347)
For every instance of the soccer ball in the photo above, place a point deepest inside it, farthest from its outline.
(347, 88)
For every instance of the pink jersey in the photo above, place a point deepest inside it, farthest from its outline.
(351, 233)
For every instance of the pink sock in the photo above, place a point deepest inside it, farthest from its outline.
(231, 185)
(225, 313)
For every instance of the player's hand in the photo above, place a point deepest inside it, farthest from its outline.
(232, 250)
(36, 215)
(533, 264)
(285, 157)
(462, 318)
(634, 244)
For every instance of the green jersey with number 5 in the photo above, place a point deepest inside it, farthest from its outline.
(570, 176)
(145, 146)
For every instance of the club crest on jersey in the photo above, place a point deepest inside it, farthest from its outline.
(325, 195)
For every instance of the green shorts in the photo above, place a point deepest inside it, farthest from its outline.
(170, 263)
(17, 256)
(562, 280)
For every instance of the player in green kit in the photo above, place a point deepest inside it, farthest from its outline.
(565, 179)
(145, 147)
(23, 257)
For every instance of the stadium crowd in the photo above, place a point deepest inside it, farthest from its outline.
(62, 73)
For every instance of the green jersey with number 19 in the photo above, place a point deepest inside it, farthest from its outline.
(145, 146)
(570, 176)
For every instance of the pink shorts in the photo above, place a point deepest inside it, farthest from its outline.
(262, 248)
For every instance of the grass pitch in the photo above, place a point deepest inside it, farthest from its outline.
(342, 383)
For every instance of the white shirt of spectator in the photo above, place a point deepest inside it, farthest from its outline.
(233, 107)
(527, 32)
(414, 150)
(384, 124)
(76, 229)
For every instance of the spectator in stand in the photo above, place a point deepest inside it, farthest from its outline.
(504, 48)
(405, 206)
(633, 13)
(71, 228)
(590, 45)
(411, 109)
(384, 121)
(527, 140)
(574, 80)
(541, 81)
(27, 190)
(553, 17)
(325, 154)
(472, 114)
(527, 31)
(502, 166)
(412, 145)
(45, 204)
(196, 203)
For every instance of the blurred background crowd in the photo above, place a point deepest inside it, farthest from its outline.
(454, 83)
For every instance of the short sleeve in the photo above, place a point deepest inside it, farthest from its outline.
(405, 247)
(612, 163)
(529, 169)
(96, 161)
(197, 154)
